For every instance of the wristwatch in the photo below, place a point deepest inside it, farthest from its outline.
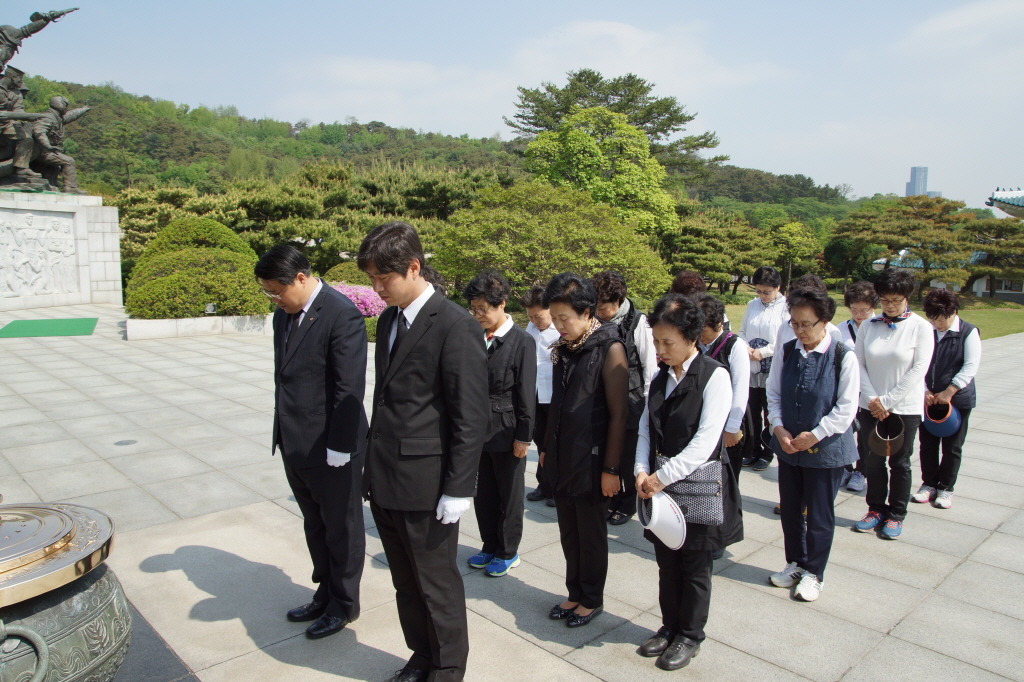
(614, 471)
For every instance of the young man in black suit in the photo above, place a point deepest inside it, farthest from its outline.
(320, 427)
(430, 417)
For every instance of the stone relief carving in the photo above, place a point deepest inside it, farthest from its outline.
(37, 255)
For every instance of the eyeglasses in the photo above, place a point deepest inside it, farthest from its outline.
(803, 326)
(862, 311)
(272, 297)
(893, 301)
(478, 312)
(764, 292)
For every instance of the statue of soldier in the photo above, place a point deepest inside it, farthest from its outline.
(11, 36)
(48, 132)
(15, 139)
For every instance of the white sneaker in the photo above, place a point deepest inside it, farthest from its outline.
(944, 500)
(925, 493)
(788, 576)
(857, 482)
(809, 588)
(847, 475)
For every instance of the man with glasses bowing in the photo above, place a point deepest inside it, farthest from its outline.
(320, 428)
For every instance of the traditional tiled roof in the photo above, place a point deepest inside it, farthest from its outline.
(1009, 201)
(907, 262)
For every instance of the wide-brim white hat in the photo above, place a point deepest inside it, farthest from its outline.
(662, 516)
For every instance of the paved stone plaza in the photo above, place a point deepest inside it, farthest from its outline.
(171, 438)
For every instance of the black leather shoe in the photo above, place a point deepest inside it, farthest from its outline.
(618, 518)
(550, 502)
(678, 653)
(749, 461)
(576, 620)
(718, 554)
(761, 464)
(310, 611)
(558, 613)
(409, 675)
(657, 644)
(536, 496)
(325, 625)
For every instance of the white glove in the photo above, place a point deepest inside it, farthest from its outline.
(451, 509)
(338, 459)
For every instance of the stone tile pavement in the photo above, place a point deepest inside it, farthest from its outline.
(171, 438)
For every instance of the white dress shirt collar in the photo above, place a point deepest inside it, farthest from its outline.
(822, 346)
(505, 326)
(413, 309)
(312, 297)
(672, 381)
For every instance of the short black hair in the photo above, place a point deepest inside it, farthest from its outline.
(680, 312)
(940, 303)
(282, 263)
(767, 276)
(823, 305)
(572, 290)
(391, 247)
(688, 283)
(489, 285)
(610, 286)
(895, 281)
(713, 309)
(809, 281)
(861, 292)
(533, 298)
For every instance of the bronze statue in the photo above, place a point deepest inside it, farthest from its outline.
(11, 37)
(49, 142)
(15, 137)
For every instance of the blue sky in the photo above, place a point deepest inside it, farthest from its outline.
(846, 92)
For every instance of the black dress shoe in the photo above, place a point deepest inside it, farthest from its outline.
(749, 461)
(409, 675)
(678, 653)
(576, 620)
(761, 464)
(657, 644)
(718, 554)
(618, 518)
(550, 502)
(536, 496)
(325, 625)
(558, 613)
(310, 611)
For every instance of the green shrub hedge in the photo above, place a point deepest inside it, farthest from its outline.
(349, 273)
(179, 284)
(371, 328)
(194, 233)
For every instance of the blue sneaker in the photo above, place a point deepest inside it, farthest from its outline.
(871, 521)
(481, 559)
(499, 567)
(892, 529)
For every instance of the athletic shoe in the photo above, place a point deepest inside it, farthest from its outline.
(481, 559)
(944, 500)
(925, 493)
(749, 461)
(499, 567)
(760, 465)
(788, 576)
(809, 588)
(871, 521)
(857, 482)
(892, 529)
(536, 496)
(847, 475)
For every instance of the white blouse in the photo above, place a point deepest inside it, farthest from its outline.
(893, 363)
(972, 354)
(545, 370)
(762, 321)
(740, 379)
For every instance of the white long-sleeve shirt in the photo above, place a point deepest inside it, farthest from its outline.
(847, 330)
(717, 401)
(545, 369)
(739, 376)
(893, 363)
(972, 354)
(643, 337)
(762, 321)
(842, 415)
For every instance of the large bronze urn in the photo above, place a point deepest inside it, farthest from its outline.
(63, 614)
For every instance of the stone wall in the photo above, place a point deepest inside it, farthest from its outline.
(58, 249)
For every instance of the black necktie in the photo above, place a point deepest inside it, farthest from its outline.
(399, 334)
(291, 328)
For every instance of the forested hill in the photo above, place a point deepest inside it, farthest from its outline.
(135, 140)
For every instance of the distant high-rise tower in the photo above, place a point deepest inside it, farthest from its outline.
(918, 184)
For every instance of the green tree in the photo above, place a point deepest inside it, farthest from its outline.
(797, 245)
(546, 108)
(851, 258)
(998, 249)
(533, 231)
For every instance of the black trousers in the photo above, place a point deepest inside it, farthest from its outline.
(808, 538)
(684, 589)
(757, 407)
(499, 502)
(941, 475)
(332, 518)
(584, 534)
(624, 501)
(421, 553)
(889, 478)
(540, 429)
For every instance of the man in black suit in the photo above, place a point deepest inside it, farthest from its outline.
(320, 427)
(430, 417)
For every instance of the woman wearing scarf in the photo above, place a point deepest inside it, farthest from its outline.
(894, 350)
(586, 428)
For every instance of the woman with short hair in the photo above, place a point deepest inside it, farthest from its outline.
(894, 351)
(861, 300)
(812, 401)
(681, 431)
(690, 283)
(949, 381)
(545, 336)
(586, 428)
(760, 326)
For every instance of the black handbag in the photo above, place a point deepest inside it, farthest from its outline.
(699, 495)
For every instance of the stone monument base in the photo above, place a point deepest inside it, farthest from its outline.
(58, 249)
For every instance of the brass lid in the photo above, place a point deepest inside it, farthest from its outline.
(45, 546)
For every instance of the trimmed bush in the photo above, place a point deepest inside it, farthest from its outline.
(370, 304)
(371, 329)
(194, 233)
(179, 284)
(347, 272)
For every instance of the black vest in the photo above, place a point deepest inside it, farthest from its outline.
(674, 419)
(627, 330)
(947, 361)
(722, 356)
(502, 370)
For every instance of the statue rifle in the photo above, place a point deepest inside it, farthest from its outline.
(52, 16)
(19, 116)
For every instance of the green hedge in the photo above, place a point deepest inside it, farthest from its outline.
(179, 284)
(371, 328)
(194, 233)
(349, 273)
